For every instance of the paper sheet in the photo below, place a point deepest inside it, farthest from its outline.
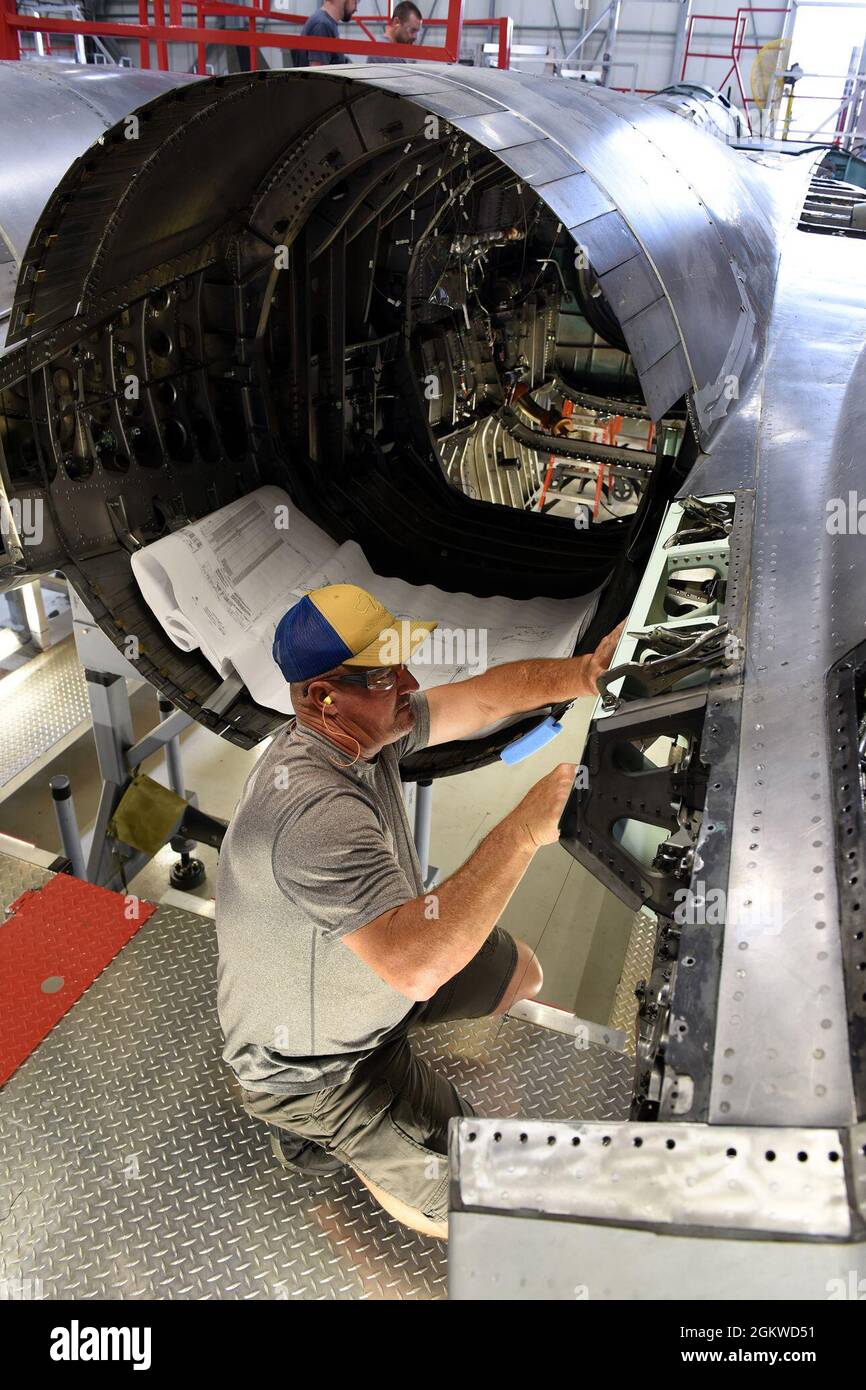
(222, 584)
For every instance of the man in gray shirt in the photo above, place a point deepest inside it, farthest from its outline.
(329, 946)
(404, 26)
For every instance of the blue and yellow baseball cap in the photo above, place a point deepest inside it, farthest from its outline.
(343, 625)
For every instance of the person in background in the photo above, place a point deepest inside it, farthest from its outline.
(325, 23)
(404, 26)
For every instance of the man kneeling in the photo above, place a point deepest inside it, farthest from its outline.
(329, 949)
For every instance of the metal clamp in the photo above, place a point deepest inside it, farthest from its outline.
(679, 652)
(709, 518)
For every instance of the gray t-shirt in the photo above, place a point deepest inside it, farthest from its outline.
(313, 851)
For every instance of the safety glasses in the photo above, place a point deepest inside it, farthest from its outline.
(379, 678)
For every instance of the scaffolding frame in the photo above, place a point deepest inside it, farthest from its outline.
(845, 112)
(743, 15)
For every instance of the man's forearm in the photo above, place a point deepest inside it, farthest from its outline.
(520, 686)
(433, 945)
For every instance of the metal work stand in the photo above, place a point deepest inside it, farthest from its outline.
(110, 863)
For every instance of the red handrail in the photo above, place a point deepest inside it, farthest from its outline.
(738, 45)
(163, 34)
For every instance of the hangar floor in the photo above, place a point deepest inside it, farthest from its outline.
(128, 1170)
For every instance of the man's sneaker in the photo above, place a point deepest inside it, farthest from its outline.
(300, 1155)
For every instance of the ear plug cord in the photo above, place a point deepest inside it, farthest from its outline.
(327, 701)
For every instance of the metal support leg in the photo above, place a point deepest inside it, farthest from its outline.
(423, 822)
(112, 723)
(188, 872)
(34, 609)
(67, 824)
(172, 753)
(99, 858)
(112, 733)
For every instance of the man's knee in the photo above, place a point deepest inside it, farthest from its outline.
(526, 979)
(529, 973)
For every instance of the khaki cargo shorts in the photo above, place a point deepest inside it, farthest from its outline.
(389, 1121)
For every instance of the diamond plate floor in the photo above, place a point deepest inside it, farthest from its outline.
(637, 966)
(16, 876)
(41, 703)
(128, 1171)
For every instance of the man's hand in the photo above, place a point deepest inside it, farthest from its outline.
(601, 658)
(537, 815)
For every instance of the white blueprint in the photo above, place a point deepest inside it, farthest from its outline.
(222, 584)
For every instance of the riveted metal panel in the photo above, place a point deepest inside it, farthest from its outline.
(540, 163)
(65, 107)
(781, 1046)
(421, 79)
(607, 239)
(501, 131)
(575, 200)
(631, 286)
(788, 1181)
(666, 381)
(453, 103)
(651, 334)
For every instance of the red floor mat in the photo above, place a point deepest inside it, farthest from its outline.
(54, 945)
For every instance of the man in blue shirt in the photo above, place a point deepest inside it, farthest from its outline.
(325, 24)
